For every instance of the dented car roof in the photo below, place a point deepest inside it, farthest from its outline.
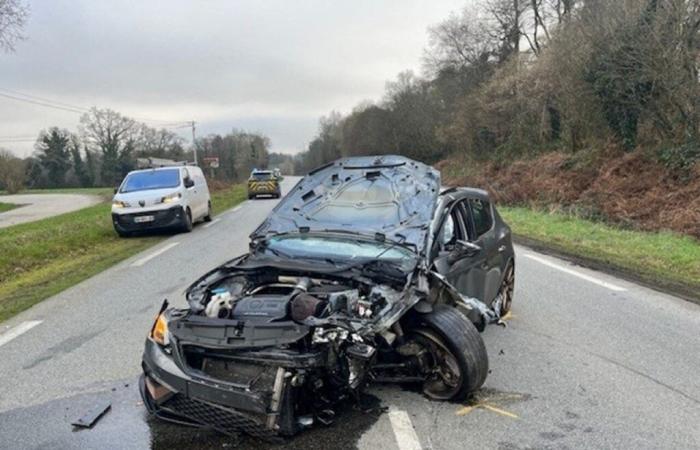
(388, 197)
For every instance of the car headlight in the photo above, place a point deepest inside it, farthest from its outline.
(171, 198)
(120, 204)
(159, 332)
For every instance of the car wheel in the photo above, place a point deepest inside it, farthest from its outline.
(457, 359)
(507, 288)
(187, 221)
(124, 234)
(207, 218)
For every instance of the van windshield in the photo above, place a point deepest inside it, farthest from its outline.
(154, 179)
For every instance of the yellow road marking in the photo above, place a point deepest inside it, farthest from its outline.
(467, 409)
(464, 411)
(498, 411)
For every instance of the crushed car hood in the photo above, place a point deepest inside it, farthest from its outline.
(386, 197)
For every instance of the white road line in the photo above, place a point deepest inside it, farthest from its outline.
(605, 284)
(406, 436)
(18, 330)
(236, 209)
(211, 223)
(145, 259)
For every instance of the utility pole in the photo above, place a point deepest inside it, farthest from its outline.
(194, 143)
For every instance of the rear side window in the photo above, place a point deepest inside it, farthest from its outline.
(481, 213)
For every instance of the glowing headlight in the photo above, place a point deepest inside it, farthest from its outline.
(171, 198)
(159, 332)
(120, 204)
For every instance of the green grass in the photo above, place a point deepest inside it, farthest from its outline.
(7, 206)
(664, 258)
(103, 191)
(42, 258)
(228, 198)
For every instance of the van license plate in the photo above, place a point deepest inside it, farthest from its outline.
(142, 219)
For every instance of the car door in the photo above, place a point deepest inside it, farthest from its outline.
(487, 273)
(458, 264)
(201, 191)
(190, 194)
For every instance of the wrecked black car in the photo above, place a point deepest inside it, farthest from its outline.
(366, 272)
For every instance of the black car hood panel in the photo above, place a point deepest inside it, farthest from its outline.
(390, 196)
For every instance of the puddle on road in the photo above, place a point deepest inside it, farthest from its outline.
(127, 425)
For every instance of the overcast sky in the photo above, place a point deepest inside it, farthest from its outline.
(260, 65)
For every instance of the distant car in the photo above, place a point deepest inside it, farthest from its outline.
(166, 197)
(367, 271)
(263, 182)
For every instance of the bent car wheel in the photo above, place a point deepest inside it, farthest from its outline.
(459, 360)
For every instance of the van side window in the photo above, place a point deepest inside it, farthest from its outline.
(481, 214)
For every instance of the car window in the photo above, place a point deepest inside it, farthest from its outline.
(261, 176)
(452, 228)
(447, 235)
(481, 214)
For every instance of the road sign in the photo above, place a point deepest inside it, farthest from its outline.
(211, 161)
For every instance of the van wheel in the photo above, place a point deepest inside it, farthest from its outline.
(187, 221)
(207, 218)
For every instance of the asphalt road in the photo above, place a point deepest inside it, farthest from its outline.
(586, 361)
(41, 206)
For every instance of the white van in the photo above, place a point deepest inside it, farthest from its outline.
(166, 197)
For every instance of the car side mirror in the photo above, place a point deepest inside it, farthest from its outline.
(467, 248)
(189, 182)
(116, 189)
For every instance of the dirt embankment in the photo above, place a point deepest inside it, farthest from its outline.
(627, 188)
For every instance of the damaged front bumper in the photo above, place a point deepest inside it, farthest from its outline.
(172, 394)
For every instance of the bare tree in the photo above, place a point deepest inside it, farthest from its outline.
(458, 42)
(13, 17)
(114, 135)
(11, 172)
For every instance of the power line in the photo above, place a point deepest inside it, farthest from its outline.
(47, 103)
(44, 100)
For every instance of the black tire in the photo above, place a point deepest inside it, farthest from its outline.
(463, 340)
(123, 234)
(207, 218)
(187, 221)
(251, 196)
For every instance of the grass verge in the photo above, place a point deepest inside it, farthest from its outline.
(42, 258)
(7, 206)
(663, 259)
